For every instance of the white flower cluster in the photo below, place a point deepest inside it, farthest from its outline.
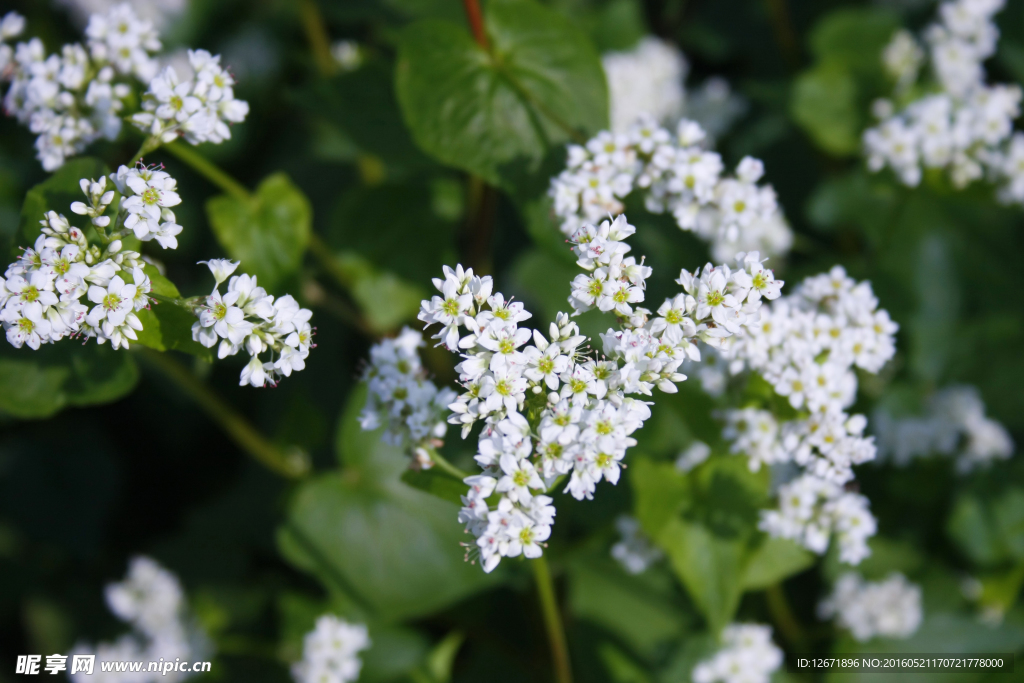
(645, 81)
(806, 346)
(41, 293)
(551, 412)
(812, 510)
(954, 425)
(74, 98)
(151, 600)
(676, 174)
(634, 551)
(890, 608)
(648, 81)
(411, 407)
(247, 316)
(748, 655)
(198, 108)
(158, 12)
(966, 128)
(330, 652)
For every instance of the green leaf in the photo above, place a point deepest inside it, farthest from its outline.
(385, 299)
(774, 561)
(167, 326)
(268, 232)
(628, 606)
(660, 491)
(710, 566)
(496, 114)
(436, 484)
(161, 286)
(56, 194)
(854, 38)
(398, 227)
(38, 384)
(393, 548)
(990, 531)
(824, 102)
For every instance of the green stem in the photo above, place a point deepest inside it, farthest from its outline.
(329, 262)
(444, 464)
(783, 616)
(316, 34)
(292, 464)
(207, 169)
(150, 144)
(552, 619)
(785, 33)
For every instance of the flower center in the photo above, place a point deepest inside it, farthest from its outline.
(111, 302)
(673, 317)
(151, 196)
(595, 288)
(26, 326)
(715, 298)
(506, 346)
(450, 306)
(546, 365)
(29, 294)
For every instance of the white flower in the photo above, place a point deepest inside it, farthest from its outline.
(647, 80)
(330, 652)
(634, 551)
(748, 655)
(675, 175)
(965, 127)
(115, 302)
(888, 609)
(221, 269)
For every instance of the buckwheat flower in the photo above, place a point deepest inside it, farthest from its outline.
(347, 54)
(114, 301)
(26, 325)
(647, 80)
(965, 127)
(11, 25)
(954, 425)
(256, 373)
(151, 600)
(147, 192)
(676, 175)
(221, 269)
(72, 98)
(748, 655)
(812, 509)
(634, 551)
(887, 609)
(99, 199)
(330, 652)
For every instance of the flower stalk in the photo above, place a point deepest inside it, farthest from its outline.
(552, 619)
(292, 464)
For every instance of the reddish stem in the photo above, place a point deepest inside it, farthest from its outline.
(476, 23)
